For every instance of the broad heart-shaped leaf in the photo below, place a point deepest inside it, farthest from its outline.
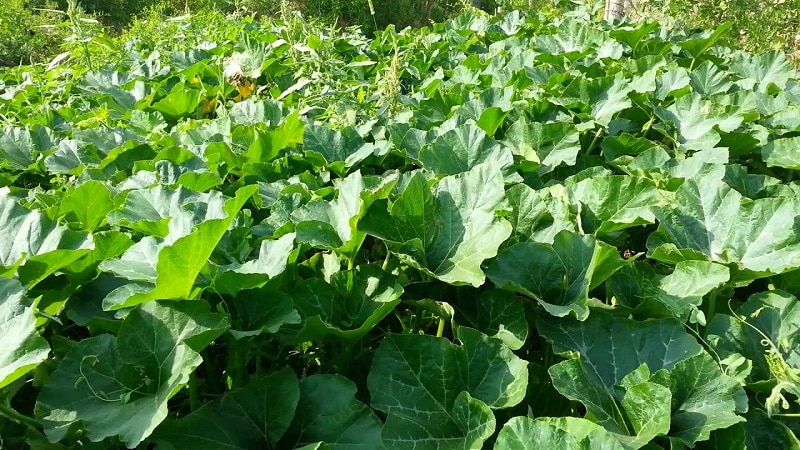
(251, 112)
(701, 42)
(601, 98)
(349, 307)
(776, 314)
(695, 118)
(119, 386)
(544, 146)
(638, 287)
(19, 146)
(449, 232)
(271, 262)
(333, 224)
(167, 213)
(708, 79)
(560, 275)
(782, 153)
(267, 145)
(334, 148)
(614, 203)
(31, 239)
(463, 148)
(256, 311)
(177, 264)
(23, 349)
(89, 204)
(761, 70)
(712, 220)
(328, 412)
(255, 416)
(611, 376)
(576, 38)
(523, 433)
(440, 395)
(539, 215)
(499, 314)
(703, 399)
(181, 102)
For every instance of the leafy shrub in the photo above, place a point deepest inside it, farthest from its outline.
(757, 25)
(27, 36)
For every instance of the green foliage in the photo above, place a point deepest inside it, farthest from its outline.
(757, 26)
(496, 231)
(27, 36)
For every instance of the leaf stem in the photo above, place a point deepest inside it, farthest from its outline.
(594, 141)
(440, 330)
(194, 396)
(402, 323)
(21, 419)
(712, 306)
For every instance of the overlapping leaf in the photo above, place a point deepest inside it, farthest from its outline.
(560, 275)
(711, 220)
(643, 379)
(437, 394)
(120, 386)
(450, 230)
(23, 348)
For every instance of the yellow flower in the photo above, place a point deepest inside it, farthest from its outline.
(208, 105)
(195, 80)
(245, 90)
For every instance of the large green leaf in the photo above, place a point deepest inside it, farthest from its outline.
(19, 147)
(699, 43)
(23, 349)
(711, 220)
(333, 224)
(349, 307)
(523, 433)
(575, 38)
(624, 371)
(32, 239)
(271, 262)
(167, 213)
(179, 103)
(120, 386)
(539, 215)
(558, 275)
(600, 98)
(544, 146)
(255, 416)
(337, 149)
(638, 287)
(461, 149)
(708, 79)
(256, 311)
(498, 314)
(614, 203)
(697, 119)
(782, 153)
(762, 70)
(89, 204)
(440, 395)
(774, 315)
(175, 266)
(448, 232)
(327, 411)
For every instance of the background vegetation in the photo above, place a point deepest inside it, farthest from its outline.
(31, 30)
